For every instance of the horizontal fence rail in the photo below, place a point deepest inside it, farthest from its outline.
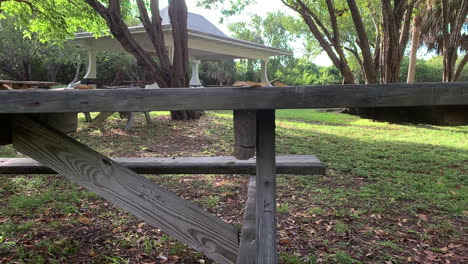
(294, 97)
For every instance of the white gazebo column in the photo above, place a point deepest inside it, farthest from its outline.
(91, 74)
(264, 73)
(91, 71)
(195, 80)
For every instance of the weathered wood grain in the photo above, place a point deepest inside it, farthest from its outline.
(247, 244)
(245, 132)
(64, 122)
(370, 95)
(293, 164)
(5, 129)
(266, 189)
(126, 189)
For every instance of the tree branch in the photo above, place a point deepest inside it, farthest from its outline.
(154, 29)
(316, 20)
(460, 67)
(404, 34)
(121, 32)
(369, 69)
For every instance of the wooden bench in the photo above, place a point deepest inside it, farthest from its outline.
(294, 164)
(254, 130)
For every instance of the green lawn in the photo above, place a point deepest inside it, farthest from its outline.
(392, 194)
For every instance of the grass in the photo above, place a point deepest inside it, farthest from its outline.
(392, 193)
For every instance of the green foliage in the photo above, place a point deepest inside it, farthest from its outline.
(430, 70)
(303, 72)
(222, 72)
(54, 20)
(28, 59)
(279, 31)
(119, 67)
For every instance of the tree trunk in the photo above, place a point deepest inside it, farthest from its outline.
(163, 72)
(450, 59)
(180, 78)
(460, 67)
(367, 62)
(414, 49)
(395, 24)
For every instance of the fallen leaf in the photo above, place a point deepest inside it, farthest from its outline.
(92, 253)
(83, 220)
(423, 217)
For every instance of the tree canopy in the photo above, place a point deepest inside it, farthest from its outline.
(54, 20)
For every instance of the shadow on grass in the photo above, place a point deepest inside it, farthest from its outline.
(401, 175)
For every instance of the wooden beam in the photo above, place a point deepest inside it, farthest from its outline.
(331, 96)
(247, 244)
(294, 164)
(126, 189)
(266, 189)
(245, 133)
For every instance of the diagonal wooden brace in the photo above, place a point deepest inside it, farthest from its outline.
(126, 189)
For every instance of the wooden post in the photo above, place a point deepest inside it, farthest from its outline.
(247, 244)
(87, 117)
(5, 130)
(126, 189)
(63, 122)
(245, 133)
(266, 188)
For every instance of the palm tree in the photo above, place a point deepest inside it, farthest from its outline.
(445, 31)
(223, 72)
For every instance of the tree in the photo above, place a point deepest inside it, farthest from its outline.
(444, 31)
(221, 72)
(17, 56)
(415, 40)
(59, 19)
(166, 71)
(376, 40)
(29, 59)
(273, 30)
(53, 20)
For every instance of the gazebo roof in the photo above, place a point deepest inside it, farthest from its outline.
(195, 22)
(206, 41)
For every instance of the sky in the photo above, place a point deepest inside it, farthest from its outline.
(261, 7)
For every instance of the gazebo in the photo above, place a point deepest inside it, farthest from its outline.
(205, 42)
